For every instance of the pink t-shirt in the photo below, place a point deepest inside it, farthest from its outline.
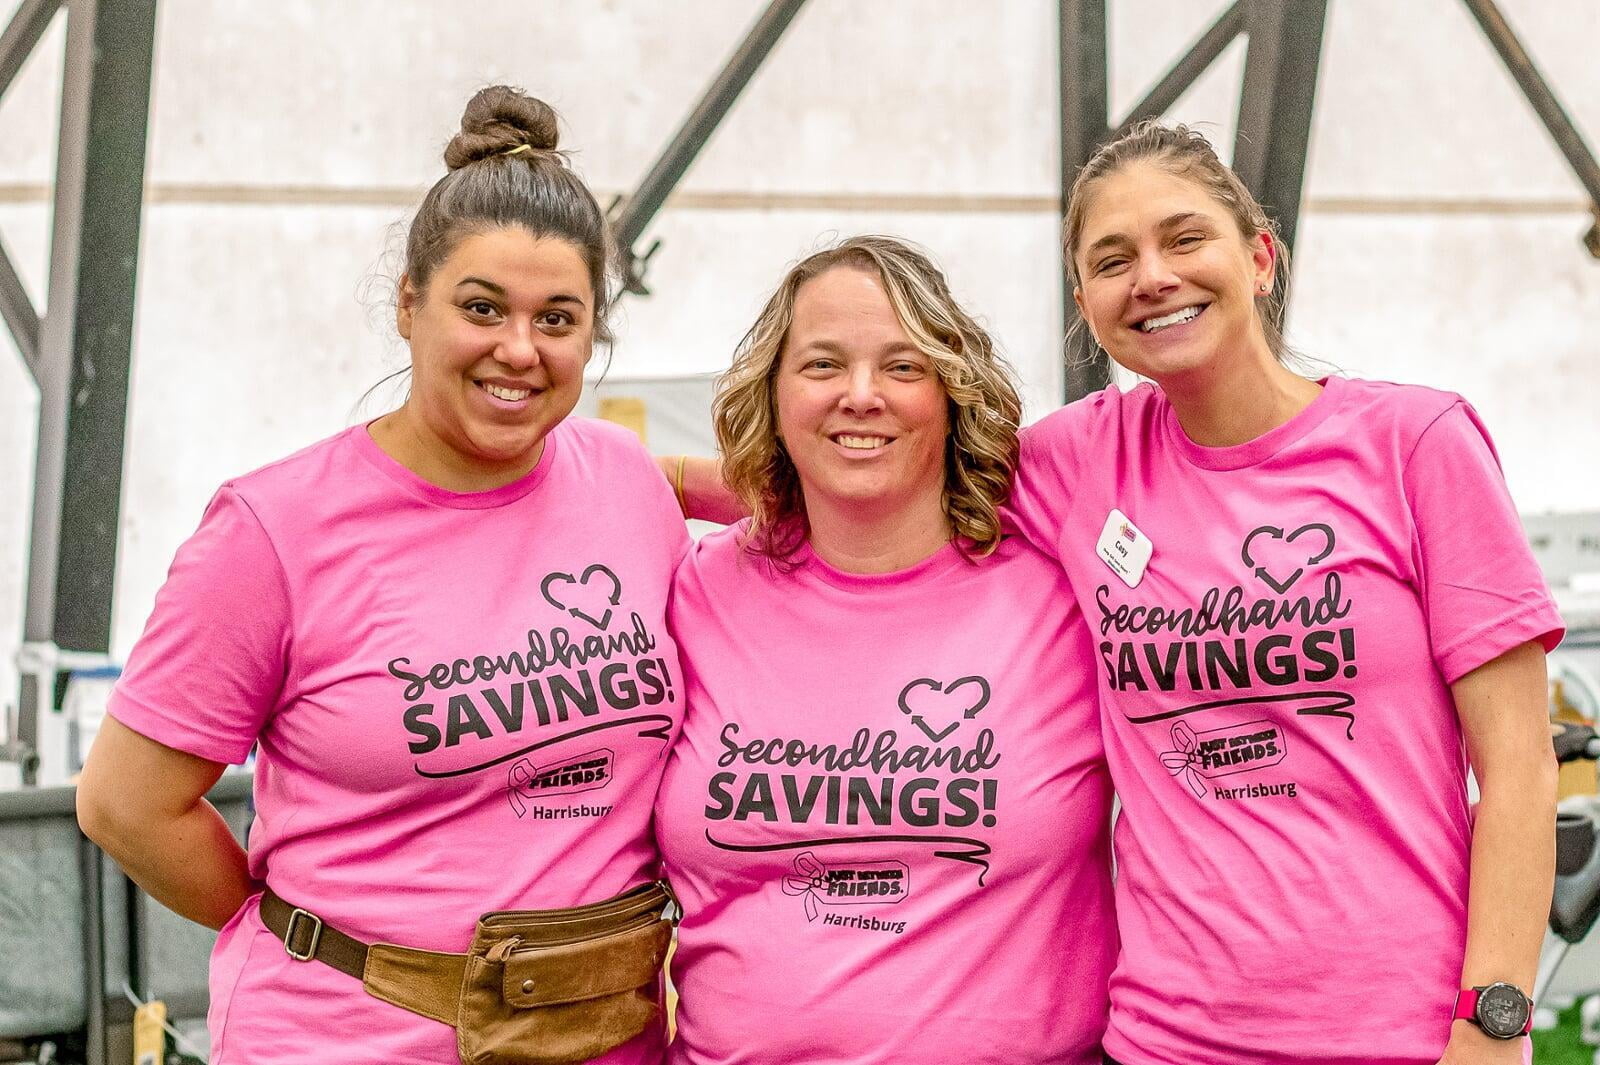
(887, 817)
(462, 703)
(1294, 838)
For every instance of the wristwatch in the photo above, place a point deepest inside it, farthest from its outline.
(1501, 1010)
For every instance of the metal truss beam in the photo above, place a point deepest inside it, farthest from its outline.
(16, 308)
(1275, 106)
(1543, 100)
(638, 210)
(1085, 109)
(28, 23)
(1196, 61)
(22, 33)
(86, 338)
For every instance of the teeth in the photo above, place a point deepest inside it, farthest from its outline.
(1150, 325)
(509, 394)
(862, 443)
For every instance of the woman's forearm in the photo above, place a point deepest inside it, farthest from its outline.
(1513, 867)
(1506, 724)
(700, 489)
(161, 830)
(190, 863)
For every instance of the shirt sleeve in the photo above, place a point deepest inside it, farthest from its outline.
(210, 667)
(1481, 588)
(1041, 493)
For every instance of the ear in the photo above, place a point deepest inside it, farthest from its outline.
(405, 306)
(1265, 256)
(1077, 298)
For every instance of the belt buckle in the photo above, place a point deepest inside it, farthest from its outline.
(316, 935)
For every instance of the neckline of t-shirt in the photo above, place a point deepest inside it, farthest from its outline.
(941, 560)
(426, 490)
(1263, 447)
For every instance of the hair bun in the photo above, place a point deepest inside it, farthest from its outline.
(499, 119)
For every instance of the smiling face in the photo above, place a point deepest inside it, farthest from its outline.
(499, 340)
(1166, 282)
(861, 411)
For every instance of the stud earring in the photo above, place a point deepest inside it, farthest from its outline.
(1264, 288)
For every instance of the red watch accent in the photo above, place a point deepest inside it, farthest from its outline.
(1467, 1008)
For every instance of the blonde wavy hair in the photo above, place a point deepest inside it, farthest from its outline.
(980, 388)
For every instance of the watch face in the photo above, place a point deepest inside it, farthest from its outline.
(1502, 1011)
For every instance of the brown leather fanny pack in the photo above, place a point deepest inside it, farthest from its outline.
(537, 987)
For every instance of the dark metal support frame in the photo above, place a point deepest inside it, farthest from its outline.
(1275, 108)
(1276, 104)
(1274, 126)
(1523, 70)
(638, 210)
(1085, 110)
(22, 33)
(79, 351)
(1187, 70)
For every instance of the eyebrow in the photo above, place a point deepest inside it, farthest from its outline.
(499, 290)
(1172, 221)
(833, 347)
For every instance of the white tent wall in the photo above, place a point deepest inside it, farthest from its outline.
(1440, 241)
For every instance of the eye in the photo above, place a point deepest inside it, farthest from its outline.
(1189, 240)
(480, 308)
(1110, 265)
(555, 320)
(906, 368)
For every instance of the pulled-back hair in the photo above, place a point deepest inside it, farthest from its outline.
(980, 454)
(505, 171)
(1182, 152)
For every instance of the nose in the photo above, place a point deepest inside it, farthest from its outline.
(518, 347)
(1153, 276)
(862, 394)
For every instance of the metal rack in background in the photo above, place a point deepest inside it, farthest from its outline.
(79, 934)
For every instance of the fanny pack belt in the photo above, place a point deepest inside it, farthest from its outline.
(431, 983)
(426, 982)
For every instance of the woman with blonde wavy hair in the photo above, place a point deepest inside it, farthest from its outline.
(887, 814)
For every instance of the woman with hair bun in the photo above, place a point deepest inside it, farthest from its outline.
(1314, 607)
(888, 814)
(442, 632)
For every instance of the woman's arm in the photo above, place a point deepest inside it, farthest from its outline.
(700, 489)
(145, 805)
(1502, 707)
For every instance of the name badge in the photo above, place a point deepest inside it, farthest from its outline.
(1124, 548)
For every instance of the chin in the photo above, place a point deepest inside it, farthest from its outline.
(503, 449)
(1165, 364)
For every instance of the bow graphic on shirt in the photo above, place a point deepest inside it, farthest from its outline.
(812, 879)
(1181, 762)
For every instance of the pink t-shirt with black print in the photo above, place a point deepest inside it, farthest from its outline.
(460, 702)
(1276, 627)
(887, 817)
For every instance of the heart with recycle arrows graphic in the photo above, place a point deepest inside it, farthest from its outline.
(1267, 547)
(606, 589)
(946, 706)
